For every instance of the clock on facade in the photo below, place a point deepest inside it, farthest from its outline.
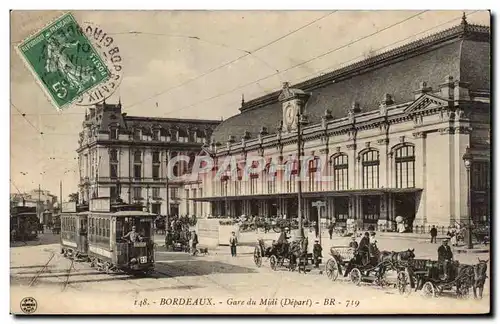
(290, 115)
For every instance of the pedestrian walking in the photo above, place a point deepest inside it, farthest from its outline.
(330, 229)
(233, 242)
(194, 242)
(434, 234)
(317, 253)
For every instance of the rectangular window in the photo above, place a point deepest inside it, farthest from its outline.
(113, 134)
(480, 176)
(174, 193)
(187, 201)
(113, 171)
(156, 157)
(137, 193)
(156, 193)
(137, 172)
(113, 193)
(155, 208)
(156, 172)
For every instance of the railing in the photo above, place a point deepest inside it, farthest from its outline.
(425, 229)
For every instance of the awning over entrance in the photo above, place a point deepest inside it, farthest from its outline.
(340, 193)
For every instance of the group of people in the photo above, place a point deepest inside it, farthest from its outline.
(364, 251)
(454, 235)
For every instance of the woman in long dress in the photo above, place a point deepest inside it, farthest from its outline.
(453, 240)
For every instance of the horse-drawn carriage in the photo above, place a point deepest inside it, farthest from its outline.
(289, 255)
(367, 268)
(428, 276)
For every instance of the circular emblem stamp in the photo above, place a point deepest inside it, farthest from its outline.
(28, 305)
(109, 51)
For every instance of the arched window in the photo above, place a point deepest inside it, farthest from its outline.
(405, 166)
(270, 176)
(314, 171)
(370, 162)
(340, 168)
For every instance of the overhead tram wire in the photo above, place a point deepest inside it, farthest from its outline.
(247, 53)
(310, 75)
(337, 66)
(352, 61)
(296, 65)
(27, 120)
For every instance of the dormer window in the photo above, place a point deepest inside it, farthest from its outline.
(113, 133)
(137, 134)
(174, 135)
(156, 135)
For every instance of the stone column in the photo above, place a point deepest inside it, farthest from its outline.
(420, 178)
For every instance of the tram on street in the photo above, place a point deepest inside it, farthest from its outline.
(23, 223)
(112, 237)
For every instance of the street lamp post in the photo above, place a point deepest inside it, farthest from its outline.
(299, 189)
(467, 157)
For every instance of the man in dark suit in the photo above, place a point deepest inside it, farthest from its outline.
(364, 248)
(361, 253)
(445, 257)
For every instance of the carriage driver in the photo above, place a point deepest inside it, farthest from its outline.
(283, 241)
(445, 257)
(133, 236)
(361, 254)
(364, 248)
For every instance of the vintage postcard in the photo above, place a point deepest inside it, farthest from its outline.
(250, 162)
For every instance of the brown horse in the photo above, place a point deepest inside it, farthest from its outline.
(479, 277)
(473, 276)
(396, 257)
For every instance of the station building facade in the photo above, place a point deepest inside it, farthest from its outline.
(389, 132)
(126, 157)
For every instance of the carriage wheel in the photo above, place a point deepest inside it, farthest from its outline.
(274, 262)
(332, 269)
(429, 290)
(382, 278)
(257, 258)
(463, 291)
(355, 276)
(403, 283)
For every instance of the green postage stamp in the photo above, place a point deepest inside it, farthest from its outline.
(64, 60)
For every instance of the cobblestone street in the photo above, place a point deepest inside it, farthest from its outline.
(225, 281)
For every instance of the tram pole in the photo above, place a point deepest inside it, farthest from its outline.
(38, 202)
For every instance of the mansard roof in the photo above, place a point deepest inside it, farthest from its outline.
(462, 52)
(106, 115)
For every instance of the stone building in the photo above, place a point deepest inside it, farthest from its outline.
(126, 157)
(390, 132)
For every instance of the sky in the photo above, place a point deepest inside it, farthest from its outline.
(196, 64)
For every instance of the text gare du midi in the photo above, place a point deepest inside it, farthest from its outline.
(283, 302)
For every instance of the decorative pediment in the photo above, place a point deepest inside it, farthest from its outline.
(427, 102)
(288, 93)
